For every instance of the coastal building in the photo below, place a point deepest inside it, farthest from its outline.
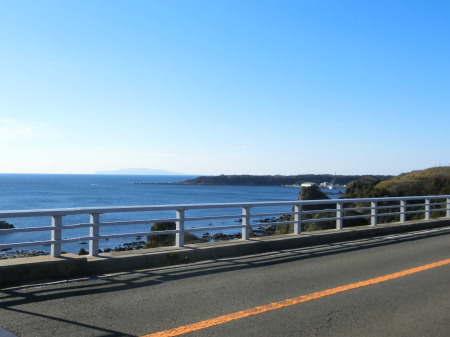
(308, 184)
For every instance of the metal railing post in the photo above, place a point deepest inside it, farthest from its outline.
(94, 231)
(179, 237)
(374, 213)
(427, 209)
(297, 219)
(447, 213)
(402, 210)
(339, 220)
(245, 223)
(55, 248)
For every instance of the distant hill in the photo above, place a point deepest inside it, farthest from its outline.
(431, 181)
(139, 171)
(277, 180)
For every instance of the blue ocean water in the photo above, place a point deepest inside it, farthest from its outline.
(50, 191)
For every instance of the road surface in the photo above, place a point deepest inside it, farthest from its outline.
(247, 296)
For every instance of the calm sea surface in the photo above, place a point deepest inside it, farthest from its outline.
(49, 191)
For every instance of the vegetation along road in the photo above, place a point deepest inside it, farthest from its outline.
(342, 289)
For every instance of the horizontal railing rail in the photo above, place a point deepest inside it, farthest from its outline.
(298, 214)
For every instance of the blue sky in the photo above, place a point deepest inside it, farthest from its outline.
(224, 87)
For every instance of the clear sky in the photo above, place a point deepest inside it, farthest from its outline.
(224, 86)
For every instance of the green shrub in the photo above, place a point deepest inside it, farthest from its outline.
(164, 240)
(82, 251)
(5, 225)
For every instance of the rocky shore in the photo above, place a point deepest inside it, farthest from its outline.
(13, 254)
(206, 237)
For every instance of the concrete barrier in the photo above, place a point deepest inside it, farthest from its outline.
(70, 265)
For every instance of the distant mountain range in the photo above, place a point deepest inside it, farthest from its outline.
(139, 171)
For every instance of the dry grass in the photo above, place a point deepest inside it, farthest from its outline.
(440, 173)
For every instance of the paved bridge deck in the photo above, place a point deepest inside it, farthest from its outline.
(389, 285)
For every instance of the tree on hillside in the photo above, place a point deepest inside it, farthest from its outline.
(432, 181)
(313, 193)
(363, 188)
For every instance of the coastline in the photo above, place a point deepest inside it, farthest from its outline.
(138, 245)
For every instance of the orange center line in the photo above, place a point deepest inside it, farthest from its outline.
(288, 302)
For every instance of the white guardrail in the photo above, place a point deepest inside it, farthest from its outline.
(342, 209)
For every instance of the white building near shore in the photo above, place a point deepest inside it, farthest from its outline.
(308, 184)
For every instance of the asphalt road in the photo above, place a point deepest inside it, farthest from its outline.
(143, 302)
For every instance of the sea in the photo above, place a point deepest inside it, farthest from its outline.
(50, 191)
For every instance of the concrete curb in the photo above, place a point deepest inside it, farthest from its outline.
(71, 265)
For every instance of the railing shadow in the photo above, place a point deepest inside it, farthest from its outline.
(149, 277)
